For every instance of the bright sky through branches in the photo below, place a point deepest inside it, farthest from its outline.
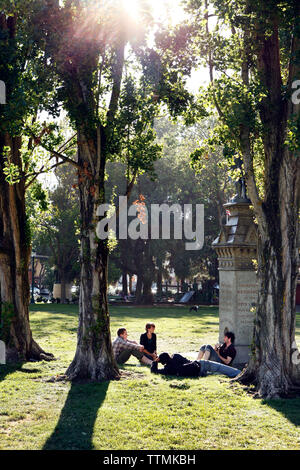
(167, 11)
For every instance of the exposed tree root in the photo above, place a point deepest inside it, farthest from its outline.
(36, 353)
(79, 371)
(267, 386)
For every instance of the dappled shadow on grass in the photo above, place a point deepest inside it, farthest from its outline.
(289, 408)
(162, 312)
(47, 323)
(65, 309)
(56, 311)
(178, 382)
(8, 369)
(74, 429)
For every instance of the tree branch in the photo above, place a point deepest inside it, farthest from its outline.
(40, 172)
(117, 79)
(55, 153)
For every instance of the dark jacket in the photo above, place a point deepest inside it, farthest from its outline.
(180, 366)
(149, 344)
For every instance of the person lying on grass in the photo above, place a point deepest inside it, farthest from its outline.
(123, 348)
(223, 353)
(148, 340)
(182, 367)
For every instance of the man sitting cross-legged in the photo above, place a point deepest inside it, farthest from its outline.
(224, 353)
(123, 348)
(182, 367)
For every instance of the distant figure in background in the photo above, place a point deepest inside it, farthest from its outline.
(194, 308)
(148, 340)
(123, 348)
(222, 353)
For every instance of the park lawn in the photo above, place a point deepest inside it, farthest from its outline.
(141, 411)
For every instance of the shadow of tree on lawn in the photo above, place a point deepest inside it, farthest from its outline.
(74, 429)
(7, 369)
(289, 408)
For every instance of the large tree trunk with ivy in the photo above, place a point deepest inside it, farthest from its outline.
(274, 365)
(94, 358)
(15, 252)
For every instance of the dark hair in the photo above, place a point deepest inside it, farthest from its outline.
(149, 325)
(230, 335)
(164, 358)
(121, 331)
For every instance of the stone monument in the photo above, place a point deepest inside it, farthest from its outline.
(2, 353)
(57, 291)
(236, 250)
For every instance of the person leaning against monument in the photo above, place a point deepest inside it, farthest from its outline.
(123, 348)
(148, 340)
(222, 353)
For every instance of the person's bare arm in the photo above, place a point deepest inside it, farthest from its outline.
(226, 361)
(149, 353)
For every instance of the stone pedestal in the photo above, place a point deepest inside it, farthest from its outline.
(57, 291)
(236, 249)
(2, 353)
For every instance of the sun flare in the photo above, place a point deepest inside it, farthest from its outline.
(132, 7)
(169, 11)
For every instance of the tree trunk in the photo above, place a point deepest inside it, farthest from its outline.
(274, 365)
(14, 262)
(159, 281)
(124, 284)
(138, 289)
(94, 358)
(62, 287)
(147, 297)
(148, 273)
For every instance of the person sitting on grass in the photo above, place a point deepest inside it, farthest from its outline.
(223, 353)
(123, 348)
(182, 367)
(148, 340)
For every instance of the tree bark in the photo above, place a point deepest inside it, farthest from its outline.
(94, 359)
(124, 283)
(273, 368)
(138, 289)
(159, 281)
(147, 297)
(62, 288)
(15, 252)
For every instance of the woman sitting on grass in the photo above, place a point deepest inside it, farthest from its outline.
(148, 340)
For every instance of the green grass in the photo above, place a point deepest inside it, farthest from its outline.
(141, 411)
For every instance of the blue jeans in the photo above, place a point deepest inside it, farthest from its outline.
(217, 368)
(213, 355)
